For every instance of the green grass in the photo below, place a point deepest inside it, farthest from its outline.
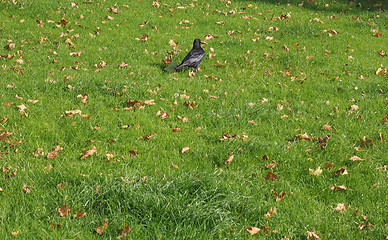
(203, 198)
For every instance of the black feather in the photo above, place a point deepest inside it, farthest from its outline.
(194, 57)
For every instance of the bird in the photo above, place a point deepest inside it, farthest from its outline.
(193, 58)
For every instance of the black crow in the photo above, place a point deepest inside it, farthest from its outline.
(194, 57)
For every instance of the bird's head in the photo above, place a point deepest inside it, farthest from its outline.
(197, 43)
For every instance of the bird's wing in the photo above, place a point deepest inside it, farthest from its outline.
(194, 56)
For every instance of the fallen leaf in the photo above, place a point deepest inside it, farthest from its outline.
(80, 214)
(271, 176)
(313, 235)
(54, 226)
(303, 137)
(365, 142)
(26, 189)
(176, 129)
(270, 165)
(77, 54)
(124, 231)
(279, 196)
(38, 152)
(174, 166)
(335, 187)
(230, 159)
(362, 226)
(270, 212)
(123, 65)
(100, 230)
(340, 207)
(353, 108)
(355, 158)
(15, 233)
(109, 156)
(32, 101)
(22, 108)
(315, 172)
(64, 210)
(253, 230)
(52, 155)
(133, 153)
(185, 149)
(62, 185)
(327, 127)
(89, 152)
(341, 171)
(172, 43)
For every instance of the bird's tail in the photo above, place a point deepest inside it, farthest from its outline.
(171, 67)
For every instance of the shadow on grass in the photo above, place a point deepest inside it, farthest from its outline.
(339, 6)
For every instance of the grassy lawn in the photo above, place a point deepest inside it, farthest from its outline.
(281, 134)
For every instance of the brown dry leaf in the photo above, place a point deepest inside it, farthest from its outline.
(38, 152)
(174, 166)
(340, 207)
(252, 122)
(253, 230)
(335, 187)
(230, 159)
(133, 153)
(381, 71)
(191, 74)
(32, 101)
(123, 65)
(22, 108)
(114, 10)
(270, 165)
(315, 172)
(176, 129)
(365, 142)
(62, 185)
(89, 152)
(303, 137)
(209, 37)
(355, 158)
(362, 226)
(285, 48)
(101, 229)
(52, 226)
(270, 212)
(327, 127)
(172, 43)
(124, 231)
(185, 149)
(313, 235)
(109, 156)
(77, 54)
(26, 189)
(84, 97)
(80, 214)
(341, 171)
(52, 155)
(279, 196)
(271, 176)
(72, 112)
(125, 126)
(15, 233)
(149, 102)
(64, 210)
(352, 109)
(58, 148)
